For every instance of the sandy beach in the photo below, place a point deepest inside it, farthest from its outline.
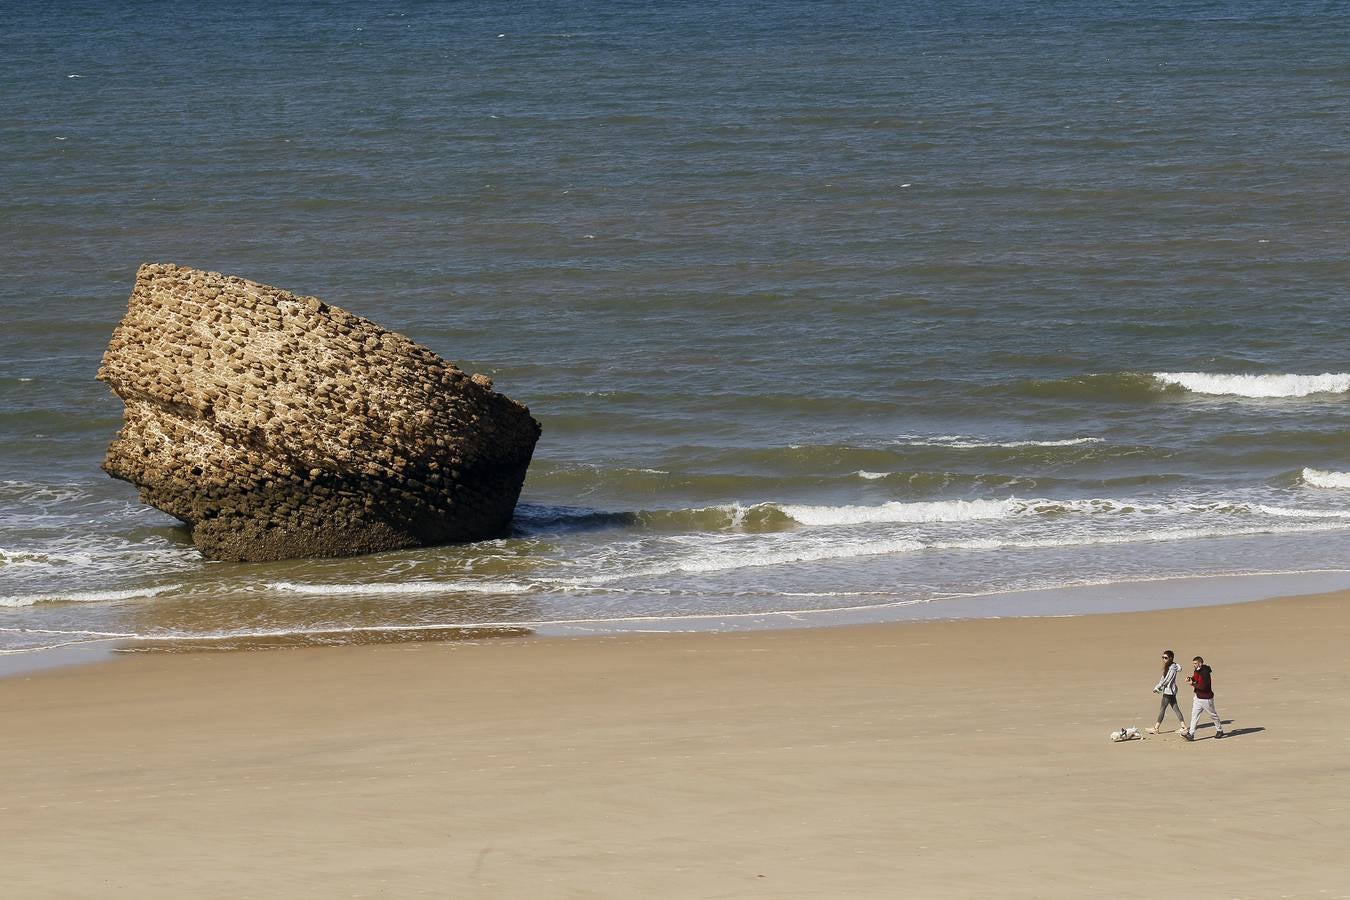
(941, 759)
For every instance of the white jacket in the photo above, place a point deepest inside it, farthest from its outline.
(1168, 683)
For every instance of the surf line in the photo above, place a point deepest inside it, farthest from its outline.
(463, 626)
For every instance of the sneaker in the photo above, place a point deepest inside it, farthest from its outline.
(1220, 734)
(1152, 730)
(1187, 736)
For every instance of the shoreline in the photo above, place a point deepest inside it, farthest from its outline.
(942, 758)
(1120, 596)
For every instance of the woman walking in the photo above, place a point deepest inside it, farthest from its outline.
(1167, 686)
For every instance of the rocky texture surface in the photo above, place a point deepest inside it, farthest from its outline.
(278, 426)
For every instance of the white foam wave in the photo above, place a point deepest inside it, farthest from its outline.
(84, 596)
(895, 511)
(1163, 535)
(966, 443)
(724, 555)
(31, 493)
(99, 554)
(404, 587)
(871, 476)
(1287, 512)
(713, 560)
(1257, 385)
(1324, 479)
(974, 510)
(42, 558)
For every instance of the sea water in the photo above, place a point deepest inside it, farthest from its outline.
(859, 307)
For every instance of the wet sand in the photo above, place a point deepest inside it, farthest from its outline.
(931, 759)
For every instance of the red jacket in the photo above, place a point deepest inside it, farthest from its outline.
(1204, 688)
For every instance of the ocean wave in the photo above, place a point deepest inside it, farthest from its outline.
(84, 596)
(974, 510)
(706, 562)
(771, 517)
(724, 517)
(1138, 387)
(1122, 387)
(18, 558)
(1158, 535)
(708, 555)
(407, 587)
(35, 494)
(1324, 479)
(920, 482)
(730, 560)
(816, 464)
(1288, 513)
(960, 442)
(539, 515)
(783, 517)
(936, 511)
(1256, 386)
(99, 553)
(988, 481)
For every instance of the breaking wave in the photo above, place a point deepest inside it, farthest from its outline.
(1123, 387)
(1256, 385)
(726, 560)
(407, 587)
(1323, 479)
(939, 511)
(971, 510)
(83, 596)
(961, 442)
(770, 517)
(1139, 386)
(41, 558)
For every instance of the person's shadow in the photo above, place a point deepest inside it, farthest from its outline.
(1233, 732)
(1236, 732)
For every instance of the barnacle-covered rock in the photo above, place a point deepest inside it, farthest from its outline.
(277, 426)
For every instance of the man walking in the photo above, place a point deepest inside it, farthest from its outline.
(1204, 700)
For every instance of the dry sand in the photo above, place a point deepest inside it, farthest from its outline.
(941, 759)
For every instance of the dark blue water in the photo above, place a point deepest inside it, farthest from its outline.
(819, 305)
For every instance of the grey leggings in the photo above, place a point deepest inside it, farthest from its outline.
(1170, 700)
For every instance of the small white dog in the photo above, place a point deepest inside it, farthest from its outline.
(1126, 734)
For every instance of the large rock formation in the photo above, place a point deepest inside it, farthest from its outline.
(278, 426)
